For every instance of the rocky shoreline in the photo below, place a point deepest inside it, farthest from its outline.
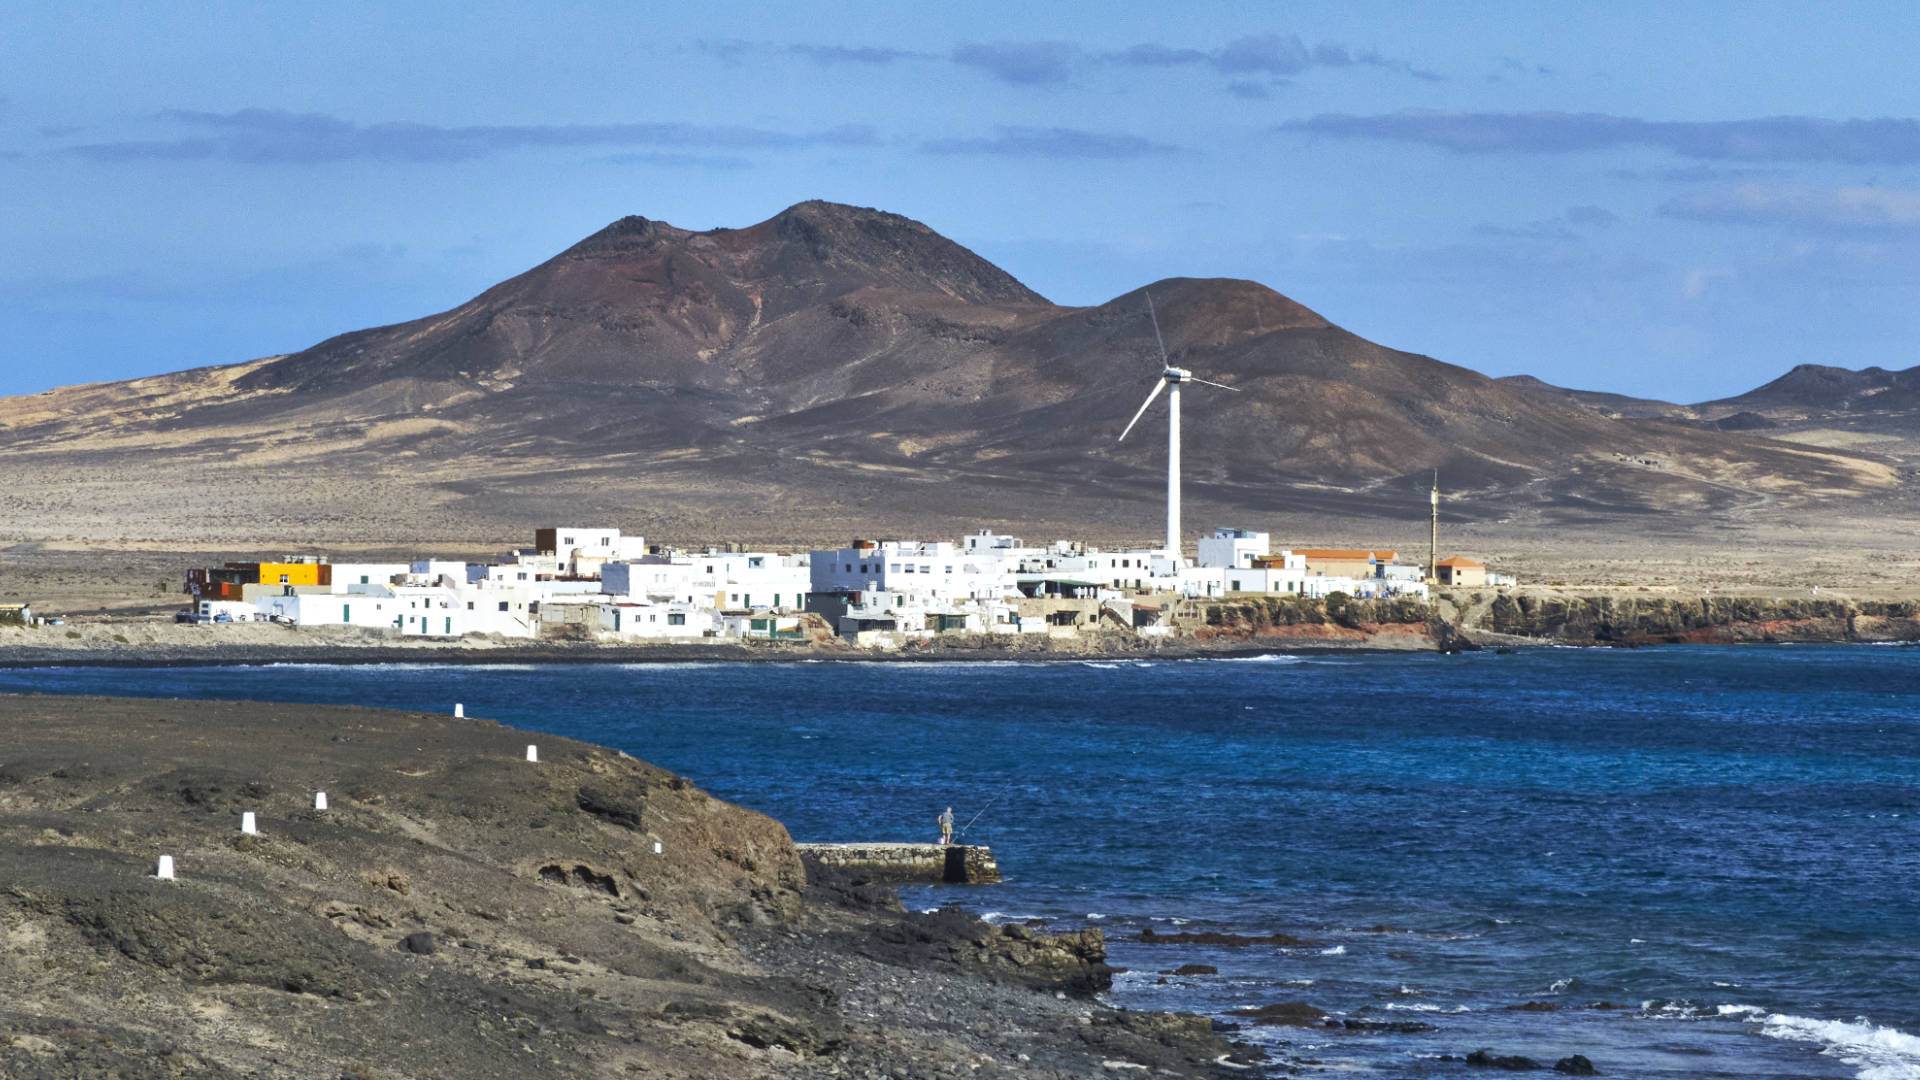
(459, 911)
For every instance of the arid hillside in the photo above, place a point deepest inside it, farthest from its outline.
(836, 371)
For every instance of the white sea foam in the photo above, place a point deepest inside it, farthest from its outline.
(1337, 950)
(1739, 1010)
(999, 917)
(1095, 915)
(1559, 986)
(1879, 1053)
(1425, 1006)
(1300, 982)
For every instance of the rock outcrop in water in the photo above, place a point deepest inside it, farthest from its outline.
(459, 911)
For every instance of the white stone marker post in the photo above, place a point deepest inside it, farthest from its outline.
(459, 710)
(319, 800)
(165, 870)
(247, 823)
(533, 752)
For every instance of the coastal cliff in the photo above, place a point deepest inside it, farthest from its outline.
(457, 910)
(1468, 619)
(1649, 620)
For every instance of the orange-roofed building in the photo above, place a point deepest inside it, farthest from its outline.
(1343, 562)
(1460, 573)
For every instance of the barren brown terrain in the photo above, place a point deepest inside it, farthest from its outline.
(838, 372)
(457, 911)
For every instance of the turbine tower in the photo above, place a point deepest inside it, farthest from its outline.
(1170, 376)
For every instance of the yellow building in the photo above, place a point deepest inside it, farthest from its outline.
(1460, 573)
(295, 573)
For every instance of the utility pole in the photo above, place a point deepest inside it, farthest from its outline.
(1433, 531)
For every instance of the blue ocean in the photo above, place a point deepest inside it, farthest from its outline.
(1686, 862)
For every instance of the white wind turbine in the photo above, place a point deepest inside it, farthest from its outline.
(1172, 377)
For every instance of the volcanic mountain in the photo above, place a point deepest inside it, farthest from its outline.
(832, 370)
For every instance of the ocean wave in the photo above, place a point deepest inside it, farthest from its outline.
(1337, 950)
(1879, 1053)
(999, 917)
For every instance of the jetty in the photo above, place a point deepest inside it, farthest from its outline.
(912, 864)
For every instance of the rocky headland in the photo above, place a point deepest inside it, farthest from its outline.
(460, 911)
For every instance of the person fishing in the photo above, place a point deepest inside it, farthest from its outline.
(946, 826)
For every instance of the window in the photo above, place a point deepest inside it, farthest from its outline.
(676, 618)
(849, 568)
(283, 579)
(924, 568)
(907, 570)
(363, 579)
(754, 563)
(503, 605)
(566, 540)
(949, 569)
(469, 605)
(1236, 585)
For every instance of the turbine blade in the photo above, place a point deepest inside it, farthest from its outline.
(1157, 339)
(1157, 387)
(1210, 382)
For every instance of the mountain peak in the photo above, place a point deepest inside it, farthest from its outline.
(629, 234)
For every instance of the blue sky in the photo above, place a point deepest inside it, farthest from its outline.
(1678, 202)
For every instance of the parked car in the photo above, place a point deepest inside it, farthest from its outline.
(186, 616)
(223, 617)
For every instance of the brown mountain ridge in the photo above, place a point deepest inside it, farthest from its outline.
(835, 369)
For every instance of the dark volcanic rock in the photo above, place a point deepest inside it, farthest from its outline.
(1285, 1014)
(1074, 963)
(1511, 1062)
(1577, 1065)
(1397, 1027)
(1210, 937)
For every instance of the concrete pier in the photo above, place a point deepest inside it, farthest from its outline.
(954, 864)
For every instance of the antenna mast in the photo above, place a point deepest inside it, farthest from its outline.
(1433, 530)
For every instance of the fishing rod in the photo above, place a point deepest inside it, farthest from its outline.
(989, 805)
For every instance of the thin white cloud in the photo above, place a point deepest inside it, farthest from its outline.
(1803, 207)
(1882, 141)
(273, 136)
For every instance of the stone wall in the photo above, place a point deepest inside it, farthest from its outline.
(911, 863)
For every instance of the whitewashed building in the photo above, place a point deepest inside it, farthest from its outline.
(626, 619)
(935, 570)
(1231, 548)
